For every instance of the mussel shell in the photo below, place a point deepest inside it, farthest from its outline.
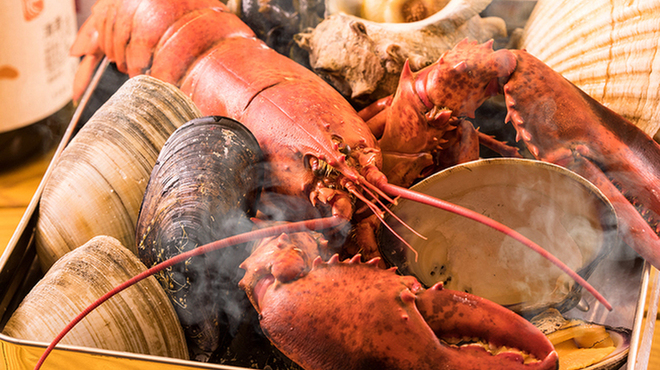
(139, 319)
(204, 187)
(556, 208)
(97, 184)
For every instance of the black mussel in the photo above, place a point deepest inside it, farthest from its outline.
(204, 187)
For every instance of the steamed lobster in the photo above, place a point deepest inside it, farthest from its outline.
(316, 145)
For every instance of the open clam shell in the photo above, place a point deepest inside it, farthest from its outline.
(552, 206)
(97, 184)
(609, 49)
(204, 188)
(140, 319)
(601, 340)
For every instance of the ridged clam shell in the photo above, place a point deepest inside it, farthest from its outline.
(140, 319)
(97, 184)
(607, 48)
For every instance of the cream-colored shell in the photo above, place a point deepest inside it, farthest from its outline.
(610, 49)
(140, 319)
(98, 183)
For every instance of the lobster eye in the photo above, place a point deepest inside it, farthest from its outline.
(341, 145)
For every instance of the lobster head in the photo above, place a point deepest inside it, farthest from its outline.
(354, 315)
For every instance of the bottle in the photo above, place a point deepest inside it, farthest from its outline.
(36, 76)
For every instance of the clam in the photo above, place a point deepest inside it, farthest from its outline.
(364, 59)
(584, 345)
(140, 319)
(203, 188)
(609, 49)
(556, 208)
(98, 182)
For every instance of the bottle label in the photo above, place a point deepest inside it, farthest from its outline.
(36, 71)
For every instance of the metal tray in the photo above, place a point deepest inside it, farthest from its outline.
(625, 280)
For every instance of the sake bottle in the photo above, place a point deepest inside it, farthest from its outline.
(36, 76)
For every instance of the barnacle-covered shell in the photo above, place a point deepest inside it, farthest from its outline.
(97, 185)
(363, 59)
(140, 319)
(204, 188)
(607, 48)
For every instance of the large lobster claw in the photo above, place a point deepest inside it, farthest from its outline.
(558, 122)
(353, 315)
(562, 124)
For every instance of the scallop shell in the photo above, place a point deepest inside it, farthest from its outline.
(204, 187)
(607, 48)
(97, 185)
(140, 319)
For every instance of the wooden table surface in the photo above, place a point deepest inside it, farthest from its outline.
(18, 185)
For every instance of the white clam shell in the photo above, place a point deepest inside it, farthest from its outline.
(140, 319)
(99, 180)
(607, 48)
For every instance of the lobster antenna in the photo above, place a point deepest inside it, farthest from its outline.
(389, 211)
(377, 212)
(462, 211)
(293, 227)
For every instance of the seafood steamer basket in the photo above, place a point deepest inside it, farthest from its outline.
(626, 285)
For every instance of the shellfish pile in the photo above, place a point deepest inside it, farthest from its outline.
(121, 156)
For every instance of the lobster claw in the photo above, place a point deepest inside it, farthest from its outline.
(457, 314)
(563, 125)
(354, 315)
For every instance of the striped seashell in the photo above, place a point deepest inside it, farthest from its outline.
(607, 48)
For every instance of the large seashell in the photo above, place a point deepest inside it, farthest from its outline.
(363, 59)
(609, 49)
(558, 209)
(140, 319)
(97, 185)
(204, 187)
